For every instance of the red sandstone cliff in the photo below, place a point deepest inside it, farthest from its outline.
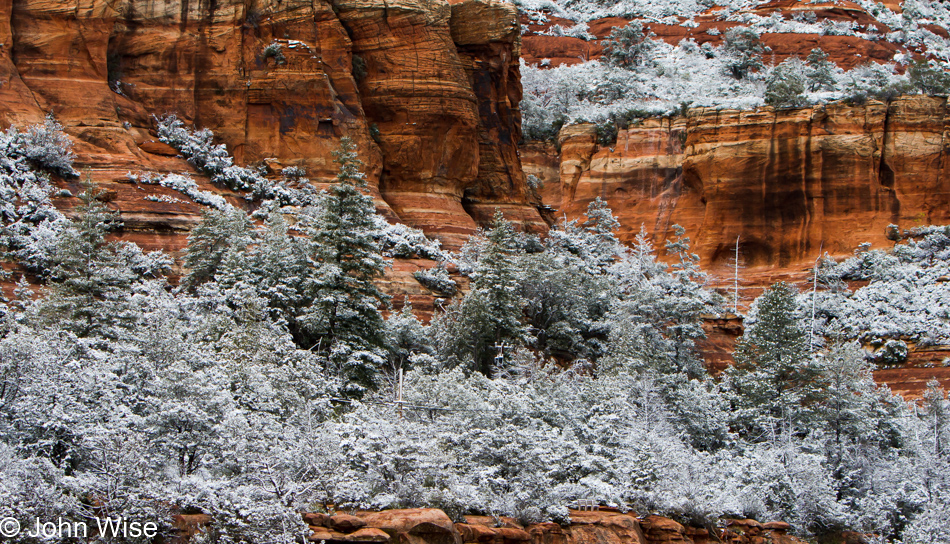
(786, 182)
(429, 91)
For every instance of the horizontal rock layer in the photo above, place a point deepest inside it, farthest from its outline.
(429, 526)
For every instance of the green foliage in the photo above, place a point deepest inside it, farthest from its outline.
(607, 130)
(492, 313)
(568, 287)
(406, 339)
(542, 125)
(774, 374)
(344, 320)
(90, 279)
(873, 81)
(359, 68)
(743, 50)
(929, 79)
(275, 51)
(819, 71)
(657, 317)
(437, 279)
(785, 86)
(219, 233)
(628, 46)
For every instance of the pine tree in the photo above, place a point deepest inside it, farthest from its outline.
(657, 317)
(210, 241)
(90, 279)
(785, 86)
(628, 46)
(774, 374)
(743, 50)
(819, 71)
(344, 320)
(602, 246)
(492, 314)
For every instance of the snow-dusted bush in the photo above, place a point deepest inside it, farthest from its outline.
(579, 30)
(873, 81)
(28, 218)
(199, 148)
(929, 77)
(49, 147)
(905, 297)
(628, 46)
(785, 85)
(184, 185)
(437, 279)
(274, 50)
(214, 160)
(743, 50)
(401, 241)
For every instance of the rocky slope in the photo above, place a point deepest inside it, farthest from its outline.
(846, 51)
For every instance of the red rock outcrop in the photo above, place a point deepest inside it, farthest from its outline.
(786, 182)
(428, 526)
(431, 526)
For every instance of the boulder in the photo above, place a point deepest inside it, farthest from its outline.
(415, 526)
(658, 529)
(345, 523)
(316, 519)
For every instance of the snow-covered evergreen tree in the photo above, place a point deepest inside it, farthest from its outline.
(774, 374)
(491, 315)
(343, 320)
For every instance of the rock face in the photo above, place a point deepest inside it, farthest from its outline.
(787, 183)
(428, 91)
(429, 526)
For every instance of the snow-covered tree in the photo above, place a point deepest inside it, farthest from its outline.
(628, 46)
(785, 86)
(343, 320)
(219, 232)
(743, 49)
(820, 71)
(491, 315)
(773, 378)
(91, 279)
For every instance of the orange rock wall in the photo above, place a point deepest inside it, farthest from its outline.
(431, 526)
(787, 183)
(428, 91)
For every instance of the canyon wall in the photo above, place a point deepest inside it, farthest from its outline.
(787, 183)
(429, 91)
